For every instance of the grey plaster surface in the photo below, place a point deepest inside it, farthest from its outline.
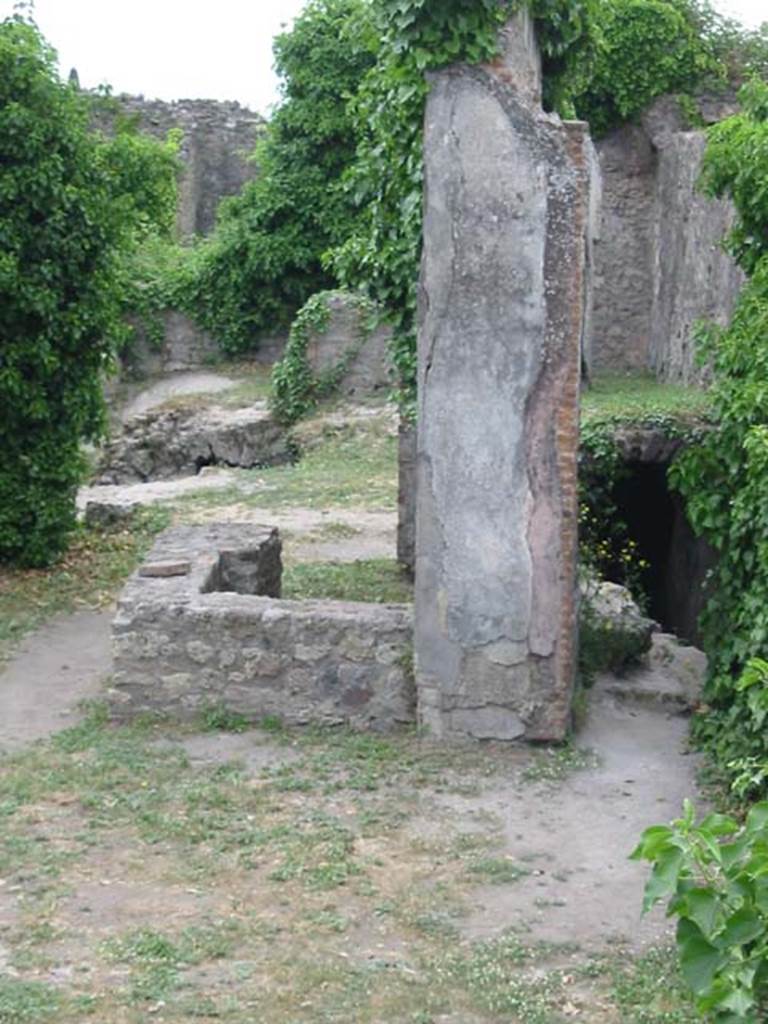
(501, 320)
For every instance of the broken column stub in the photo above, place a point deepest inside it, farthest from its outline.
(501, 320)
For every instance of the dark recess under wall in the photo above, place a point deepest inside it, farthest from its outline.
(678, 559)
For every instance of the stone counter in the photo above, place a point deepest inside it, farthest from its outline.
(201, 624)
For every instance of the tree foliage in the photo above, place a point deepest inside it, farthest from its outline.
(725, 478)
(72, 207)
(648, 47)
(264, 260)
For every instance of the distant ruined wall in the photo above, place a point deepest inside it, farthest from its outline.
(659, 264)
(218, 139)
(693, 277)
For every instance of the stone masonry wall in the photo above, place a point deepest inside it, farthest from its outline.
(218, 139)
(346, 338)
(501, 318)
(693, 277)
(623, 262)
(659, 265)
(180, 644)
(217, 144)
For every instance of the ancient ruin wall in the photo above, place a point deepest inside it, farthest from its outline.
(659, 264)
(201, 624)
(502, 311)
(217, 143)
(218, 138)
(693, 277)
(623, 277)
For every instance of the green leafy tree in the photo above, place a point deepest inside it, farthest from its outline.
(649, 47)
(713, 875)
(72, 208)
(725, 478)
(264, 260)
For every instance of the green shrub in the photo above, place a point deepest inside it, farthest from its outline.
(264, 259)
(714, 877)
(72, 207)
(649, 47)
(724, 478)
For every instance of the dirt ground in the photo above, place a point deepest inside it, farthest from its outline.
(182, 876)
(226, 873)
(63, 663)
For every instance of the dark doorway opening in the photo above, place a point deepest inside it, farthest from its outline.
(678, 560)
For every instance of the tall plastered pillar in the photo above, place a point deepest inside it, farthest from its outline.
(502, 311)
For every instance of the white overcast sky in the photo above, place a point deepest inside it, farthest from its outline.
(192, 49)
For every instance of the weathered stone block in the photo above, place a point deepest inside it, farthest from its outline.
(165, 443)
(182, 642)
(502, 316)
(348, 342)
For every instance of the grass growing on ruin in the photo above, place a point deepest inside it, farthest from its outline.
(88, 577)
(159, 888)
(379, 580)
(640, 397)
(352, 466)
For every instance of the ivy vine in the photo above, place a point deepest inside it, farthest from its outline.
(296, 387)
(386, 180)
(725, 478)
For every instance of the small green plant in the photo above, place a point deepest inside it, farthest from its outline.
(714, 877)
(220, 718)
(296, 388)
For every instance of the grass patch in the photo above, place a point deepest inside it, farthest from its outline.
(355, 466)
(316, 904)
(649, 989)
(218, 718)
(157, 959)
(22, 1001)
(490, 973)
(377, 580)
(88, 576)
(640, 397)
(497, 871)
(336, 531)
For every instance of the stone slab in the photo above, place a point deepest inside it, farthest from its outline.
(502, 316)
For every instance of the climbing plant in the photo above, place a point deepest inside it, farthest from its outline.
(382, 253)
(73, 207)
(648, 47)
(264, 258)
(296, 387)
(725, 478)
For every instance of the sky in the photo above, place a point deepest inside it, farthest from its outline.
(193, 49)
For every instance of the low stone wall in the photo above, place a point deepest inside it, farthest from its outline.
(162, 444)
(186, 636)
(184, 346)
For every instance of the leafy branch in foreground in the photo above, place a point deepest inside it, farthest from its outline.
(714, 877)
